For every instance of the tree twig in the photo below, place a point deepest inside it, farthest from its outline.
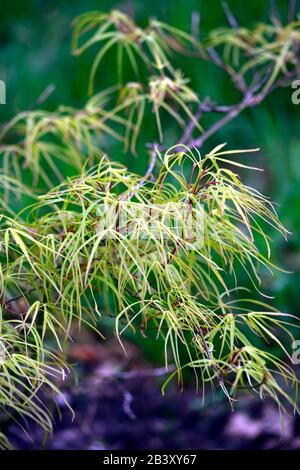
(147, 175)
(230, 17)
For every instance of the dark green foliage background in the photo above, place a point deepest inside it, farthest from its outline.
(35, 52)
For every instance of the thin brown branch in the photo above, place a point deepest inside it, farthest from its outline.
(147, 175)
(208, 353)
(230, 17)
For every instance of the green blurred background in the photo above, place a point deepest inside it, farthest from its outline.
(35, 52)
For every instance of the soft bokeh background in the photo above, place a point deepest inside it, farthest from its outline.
(35, 52)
